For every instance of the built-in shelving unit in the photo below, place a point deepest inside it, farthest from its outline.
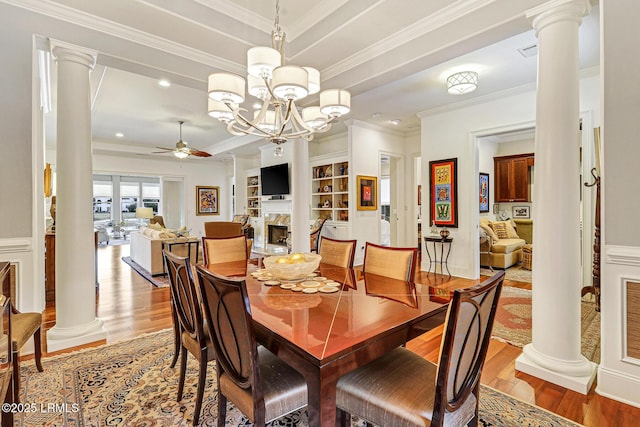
(253, 195)
(330, 191)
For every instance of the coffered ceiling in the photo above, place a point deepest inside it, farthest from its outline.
(393, 55)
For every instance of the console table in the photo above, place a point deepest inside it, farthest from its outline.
(433, 259)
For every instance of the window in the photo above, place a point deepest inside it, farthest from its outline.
(151, 196)
(129, 194)
(102, 200)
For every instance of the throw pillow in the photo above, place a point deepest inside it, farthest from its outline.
(500, 229)
(487, 229)
(511, 231)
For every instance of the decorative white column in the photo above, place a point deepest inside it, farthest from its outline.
(76, 321)
(554, 355)
(301, 176)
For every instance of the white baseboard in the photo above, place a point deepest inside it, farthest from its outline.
(618, 386)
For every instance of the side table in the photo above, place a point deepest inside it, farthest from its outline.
(433, 260)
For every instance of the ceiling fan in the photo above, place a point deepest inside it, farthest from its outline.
(181, 151)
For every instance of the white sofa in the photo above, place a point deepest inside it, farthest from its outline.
(146, 248)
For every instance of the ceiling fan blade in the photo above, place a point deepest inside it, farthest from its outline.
(161, 152)
(198, 153)
(165, 148)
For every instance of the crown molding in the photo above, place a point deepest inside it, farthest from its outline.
(239, 13)
(83, 19)
(443, 17)
(529, 87)
(376, 127)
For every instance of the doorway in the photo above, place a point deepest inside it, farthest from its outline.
(389, 168)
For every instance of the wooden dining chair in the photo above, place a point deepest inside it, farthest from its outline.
(193, 337)
(217, 250)
(337, 252)
(403, 388)
(396, 263)
(260, 384)
(23, 327)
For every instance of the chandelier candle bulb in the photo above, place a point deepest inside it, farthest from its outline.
(335, 102)
(262, 60)
(219, 110)
(290, 82)
(226, 87)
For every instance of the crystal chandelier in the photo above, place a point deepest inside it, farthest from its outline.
(278, 86)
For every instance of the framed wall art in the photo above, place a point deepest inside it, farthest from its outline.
(207, 200)
(367, 187)
(520, 212)
(484, 192)
(443, 201)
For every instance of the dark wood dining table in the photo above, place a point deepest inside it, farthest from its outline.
(325, 335)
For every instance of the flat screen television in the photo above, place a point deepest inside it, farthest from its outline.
(275, 180)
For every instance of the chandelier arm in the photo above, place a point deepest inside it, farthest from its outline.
(248, 124)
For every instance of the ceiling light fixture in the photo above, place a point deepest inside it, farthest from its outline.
(463, 82)
(395, 122)
(164, 83)
(119, 135)
(278, 86)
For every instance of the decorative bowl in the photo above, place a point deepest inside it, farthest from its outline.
(281, 267)
(444, 233)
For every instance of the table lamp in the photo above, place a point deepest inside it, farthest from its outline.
(144, 213)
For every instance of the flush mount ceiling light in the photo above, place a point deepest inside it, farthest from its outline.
(278, 87)
(463, 82)
(164, 83)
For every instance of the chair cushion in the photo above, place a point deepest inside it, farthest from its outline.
(284, 389)
(23, 326)
(397, 389)
(506, 246)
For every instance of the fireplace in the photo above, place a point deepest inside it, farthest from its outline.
(277, 234)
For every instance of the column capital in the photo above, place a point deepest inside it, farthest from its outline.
(63, 51)
(556, 11)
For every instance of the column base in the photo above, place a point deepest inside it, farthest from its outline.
(573, 375)
(62, 338)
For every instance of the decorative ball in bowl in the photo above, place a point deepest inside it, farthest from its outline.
(292, 267)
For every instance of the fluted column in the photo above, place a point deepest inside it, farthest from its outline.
(301, 176)
(554, 354)
(76, 321)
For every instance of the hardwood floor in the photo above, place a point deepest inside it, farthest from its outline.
(130, 306)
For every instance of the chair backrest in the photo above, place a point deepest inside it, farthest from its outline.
(397, 263)
(183, 293)
(242, 219)
(465, 341)
(337, 252)
(222, 229)
(158, 219)
(314, 234)
(224, 249)
(228, 315)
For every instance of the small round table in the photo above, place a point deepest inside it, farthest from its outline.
(443, 258)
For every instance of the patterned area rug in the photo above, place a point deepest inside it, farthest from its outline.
(512, 273)
(158, 281)
(131, 384)
(513, 321)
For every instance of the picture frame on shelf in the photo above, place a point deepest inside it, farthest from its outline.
(521, 212)
(367, 193)
(484, 192)
(207, 200)
(443, 199)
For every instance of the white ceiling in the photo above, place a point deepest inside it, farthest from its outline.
(393, 55)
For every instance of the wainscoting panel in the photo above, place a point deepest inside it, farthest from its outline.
(633, 320)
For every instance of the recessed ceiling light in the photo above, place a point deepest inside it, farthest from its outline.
(119, 134)
(395, 122)
(257, 106)
(375, 115)
(164, 83)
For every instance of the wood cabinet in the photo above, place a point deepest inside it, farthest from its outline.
(330, 191)
(511, 180)
(253, 196)
(50, 265)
